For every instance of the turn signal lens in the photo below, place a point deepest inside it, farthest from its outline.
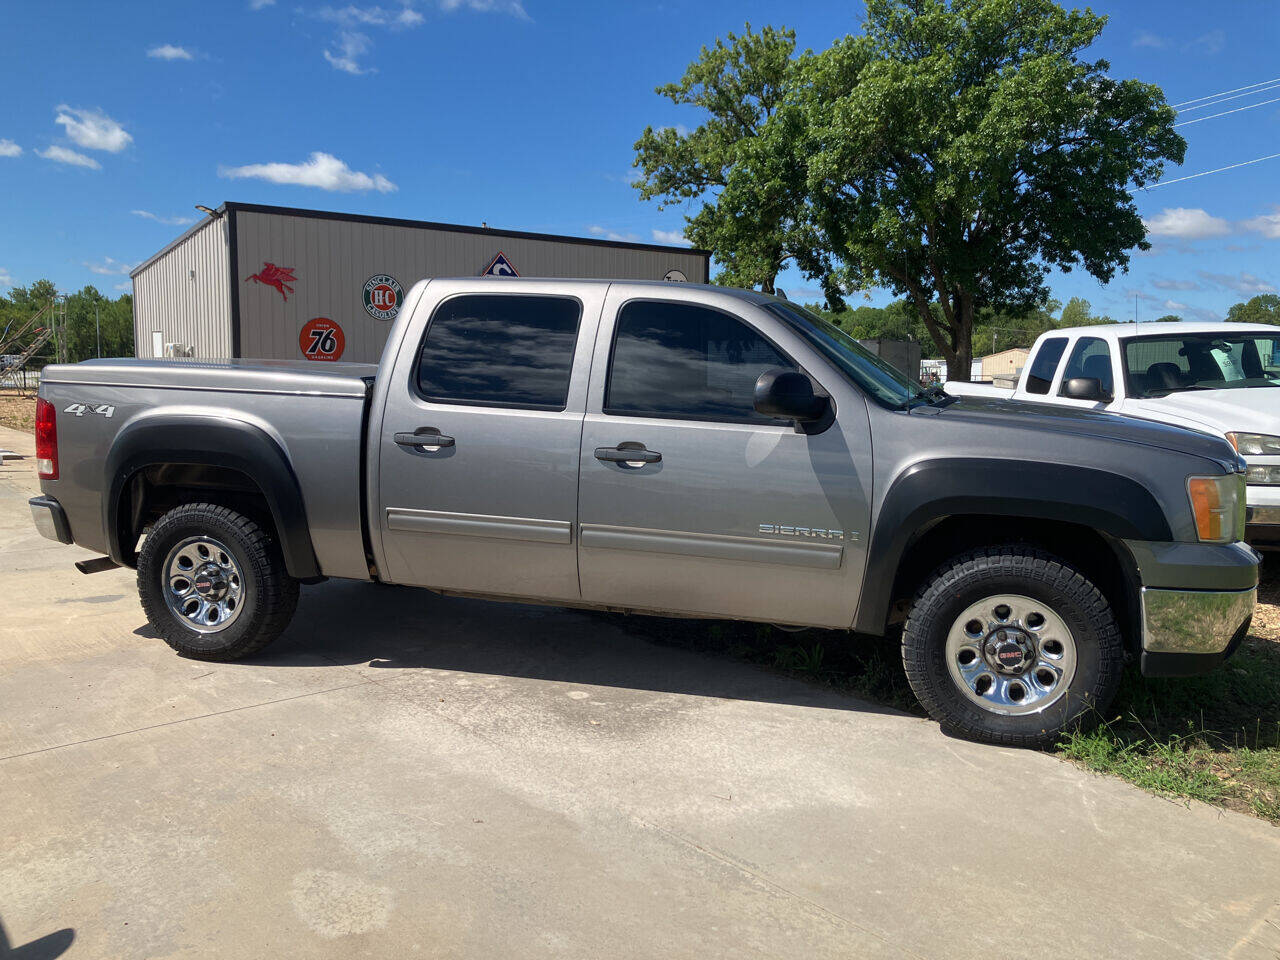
(1218, 504)
(46, 440)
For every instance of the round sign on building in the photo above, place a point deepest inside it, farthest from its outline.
(382, 296)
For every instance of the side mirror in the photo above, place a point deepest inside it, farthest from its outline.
(1085, 388)
(788, 395)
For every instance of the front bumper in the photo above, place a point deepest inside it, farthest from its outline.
(50, 519)
(1187, 632)
(1262, 526)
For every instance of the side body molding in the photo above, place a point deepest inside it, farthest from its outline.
(936, 489)
(214, 442)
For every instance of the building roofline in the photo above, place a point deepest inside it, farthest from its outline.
(178, 241)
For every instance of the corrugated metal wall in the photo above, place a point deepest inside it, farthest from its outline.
(333, 259)
(185, 295)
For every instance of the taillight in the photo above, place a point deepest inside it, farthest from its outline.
(46, 440)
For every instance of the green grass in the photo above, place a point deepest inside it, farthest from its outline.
(1214, 738)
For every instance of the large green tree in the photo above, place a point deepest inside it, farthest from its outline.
(1264, 308)
(741, 160)
(960, 149)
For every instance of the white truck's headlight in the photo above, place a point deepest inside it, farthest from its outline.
(1219, 507)
(1263, 475)
(1255, 444)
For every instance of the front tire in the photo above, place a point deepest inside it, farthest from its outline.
(1011, 645)
(213, 583)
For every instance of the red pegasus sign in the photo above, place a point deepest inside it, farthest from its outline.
(273, 276)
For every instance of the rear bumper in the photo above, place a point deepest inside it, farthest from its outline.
(1186, 632)
(50, 519)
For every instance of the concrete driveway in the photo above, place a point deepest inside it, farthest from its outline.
(406, 775)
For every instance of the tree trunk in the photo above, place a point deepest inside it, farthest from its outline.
(960, 363)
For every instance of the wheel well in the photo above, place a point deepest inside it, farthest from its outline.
(1102, 558)
(159, 487)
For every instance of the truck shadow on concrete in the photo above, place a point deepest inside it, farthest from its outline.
(48, 947)
(343, 623)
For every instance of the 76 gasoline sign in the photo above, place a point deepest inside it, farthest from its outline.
(382, 296)
(321, 339)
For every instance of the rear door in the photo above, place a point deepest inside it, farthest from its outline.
(478, 450)
(690, 501)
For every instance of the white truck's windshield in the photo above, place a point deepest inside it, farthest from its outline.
(1158, 366)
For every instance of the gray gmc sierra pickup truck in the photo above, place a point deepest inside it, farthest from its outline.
(662, 448)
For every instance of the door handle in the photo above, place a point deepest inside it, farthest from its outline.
(428, 438)
(630, 454)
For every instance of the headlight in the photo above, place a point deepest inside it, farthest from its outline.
(1219, 507)
(1255, 444)
(1263, 475)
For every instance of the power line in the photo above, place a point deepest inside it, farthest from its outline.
(1165, 183)
(1212, 96)
(1249, 93)
(1213, 116)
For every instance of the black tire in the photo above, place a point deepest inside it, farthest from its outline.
(269, 594)
(968, 580)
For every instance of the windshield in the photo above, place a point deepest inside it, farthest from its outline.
(884, 382)
(1158, 366)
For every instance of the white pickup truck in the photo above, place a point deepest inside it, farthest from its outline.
(1221, 378)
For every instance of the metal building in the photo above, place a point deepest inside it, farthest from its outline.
(280, 283)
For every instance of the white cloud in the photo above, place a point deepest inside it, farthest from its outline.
(321, 170)
(1145, 38)
(1267, 224)
(1186, 224)
(597, 231)
(6, 278)
(93, 129)
(261, 4)
(9, 149)
(109, 267)
(513, 7)
(1242, 283)
(1212, 42)
(674, 237)
(1175, 284)
(1174, 305)
(351, 46)
(63, 155)
(126, 286)
(169, 221)
(371, 16)
(168, 51)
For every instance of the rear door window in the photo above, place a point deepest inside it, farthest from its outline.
(1040, 378)
(500, 350)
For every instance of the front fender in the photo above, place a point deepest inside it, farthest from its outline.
(215, 442)
(932, 490)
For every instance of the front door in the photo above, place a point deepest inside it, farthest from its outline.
(691, 502)
(478, 450)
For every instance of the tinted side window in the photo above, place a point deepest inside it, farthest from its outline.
(1046, 362)
(1091, 358)
(686, 362)
(500, 350)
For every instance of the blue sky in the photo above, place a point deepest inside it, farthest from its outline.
(119, 117)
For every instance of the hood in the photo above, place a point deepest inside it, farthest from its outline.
(1245, 409)
(1082, 422)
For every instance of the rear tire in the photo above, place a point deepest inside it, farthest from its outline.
(213, 583)
(1011, 645)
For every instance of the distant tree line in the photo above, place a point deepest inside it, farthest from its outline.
(96, 325)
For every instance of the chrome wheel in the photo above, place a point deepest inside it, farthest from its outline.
(1011, 655)
(203, 584)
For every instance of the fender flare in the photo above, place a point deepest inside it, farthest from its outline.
(168, 438)
(934, 490)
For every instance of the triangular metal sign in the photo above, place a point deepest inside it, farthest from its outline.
(500, 266)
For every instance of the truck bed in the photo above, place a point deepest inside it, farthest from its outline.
(314, 411)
